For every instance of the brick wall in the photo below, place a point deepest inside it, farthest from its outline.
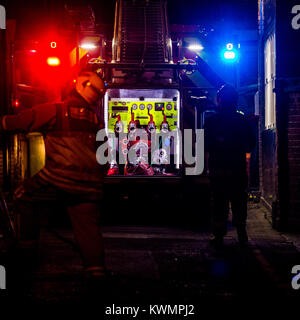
(268, 166)
(294, 156)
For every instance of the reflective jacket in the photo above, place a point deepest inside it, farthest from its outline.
(69, 130)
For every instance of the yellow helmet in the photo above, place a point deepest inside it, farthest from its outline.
(90, 86)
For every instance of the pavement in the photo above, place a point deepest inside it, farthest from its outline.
(161, 264)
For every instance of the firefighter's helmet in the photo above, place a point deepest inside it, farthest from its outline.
(90, 86)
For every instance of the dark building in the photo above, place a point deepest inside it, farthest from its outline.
(279, 103)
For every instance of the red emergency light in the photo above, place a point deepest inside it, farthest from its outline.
(16, 103)
(53, 61)
(47, 63)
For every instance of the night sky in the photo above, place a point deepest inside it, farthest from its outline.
(207, 13)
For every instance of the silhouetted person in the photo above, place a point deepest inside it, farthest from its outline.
(228, 137)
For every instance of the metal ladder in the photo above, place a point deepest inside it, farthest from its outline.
(141, 32)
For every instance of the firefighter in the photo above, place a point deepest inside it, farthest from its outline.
(71, 176)
(228, 138)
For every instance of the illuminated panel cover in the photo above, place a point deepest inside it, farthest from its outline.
(120, 104)
(141, 111)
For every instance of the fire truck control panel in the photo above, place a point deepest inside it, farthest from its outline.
(156, 110)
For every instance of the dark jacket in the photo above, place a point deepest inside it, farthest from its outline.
(228, 137)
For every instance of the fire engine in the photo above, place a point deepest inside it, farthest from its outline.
(148, 96)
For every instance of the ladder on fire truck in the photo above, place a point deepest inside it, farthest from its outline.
(142, 44)
(141, 32)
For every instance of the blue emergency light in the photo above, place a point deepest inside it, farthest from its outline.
(229, 54)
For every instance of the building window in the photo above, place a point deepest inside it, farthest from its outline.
(270, 99)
